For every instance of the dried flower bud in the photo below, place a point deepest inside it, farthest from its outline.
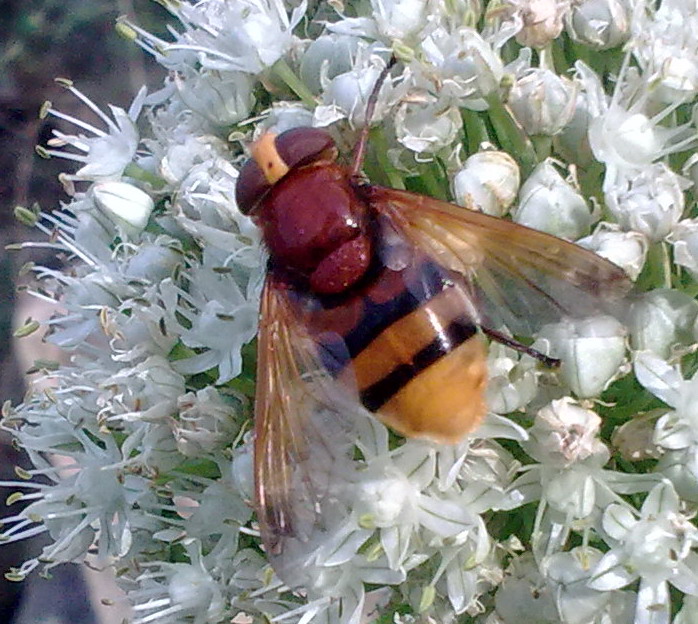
(542, 21)
(564, 433)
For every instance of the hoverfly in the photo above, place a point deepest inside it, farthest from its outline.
(388, 293)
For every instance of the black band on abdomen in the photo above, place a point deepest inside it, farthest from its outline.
(455, 334)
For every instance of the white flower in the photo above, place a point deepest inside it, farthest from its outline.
(326, 57)
(649, 201)
(656, 548)
(105, 154)
(564, 433)
(248, 35)
(427, 127)
(222, 98)
(206, 421)
(568, 576)
(675, 431)
(666, 52)
(346, 95)
(625, 132)
(512, 382)
(523, 597)
(220, 318)
(401, 19)
(466, 66)
(569, 481)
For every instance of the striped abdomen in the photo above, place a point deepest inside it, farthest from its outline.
(410, 348)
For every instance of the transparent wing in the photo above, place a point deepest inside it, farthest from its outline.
(298, 441)
(520, 277)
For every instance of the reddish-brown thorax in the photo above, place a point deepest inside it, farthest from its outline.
(316, 226)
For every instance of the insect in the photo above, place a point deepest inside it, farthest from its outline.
(388, 293)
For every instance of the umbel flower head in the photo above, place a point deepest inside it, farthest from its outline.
(549, 511)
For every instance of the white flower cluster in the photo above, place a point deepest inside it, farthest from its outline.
(582, 514)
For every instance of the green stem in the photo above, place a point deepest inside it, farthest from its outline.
(143, 175)
(546, 58)
(511, 135)
(657, 270)
(283, 71)
(543, 146)
(430, 179)
(380, 150)
(475, 130)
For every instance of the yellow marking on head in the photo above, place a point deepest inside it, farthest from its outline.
(268, 158)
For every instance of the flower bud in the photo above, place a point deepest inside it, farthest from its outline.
(660, 319)
(488, 182)
(427, 128)
(592, 351)
(626, 249)
(599, 24)
(650, 202)
(542, 22)
(684, 237)
(551, 204)
(125, 205)
(543, 102)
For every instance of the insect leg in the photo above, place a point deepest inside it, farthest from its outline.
(521, 348)
(360, 149)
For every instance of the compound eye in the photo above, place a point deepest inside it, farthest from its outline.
(274, 156)
(302, 146)
(251, 187)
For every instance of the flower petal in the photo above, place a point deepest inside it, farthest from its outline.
(658, 377)
(610, 573)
